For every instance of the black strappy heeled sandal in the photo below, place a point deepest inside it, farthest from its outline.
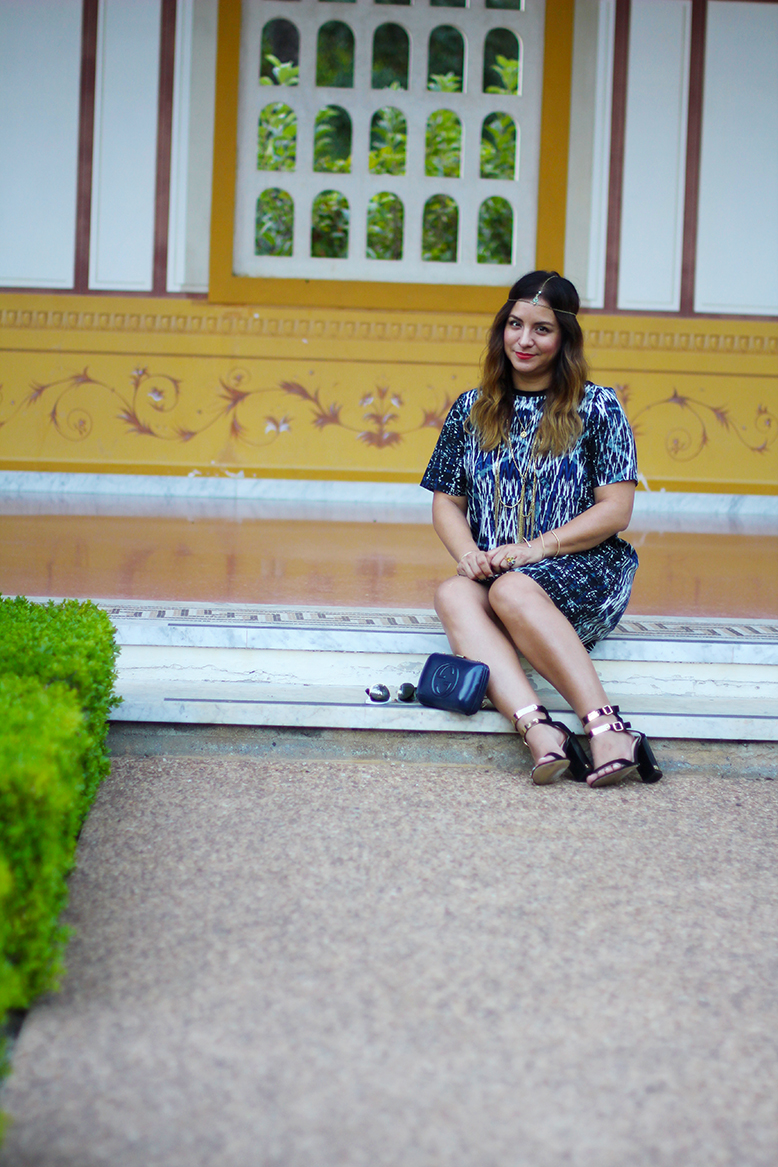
(553, 765)
(641, 761)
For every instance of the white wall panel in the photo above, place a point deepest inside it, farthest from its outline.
(125, 146)
(191, 161)
(650, 252)
(737, 232)
(39, 109)
(586, 232)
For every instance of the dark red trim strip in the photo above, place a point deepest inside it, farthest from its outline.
(618, 124)
(167, 60)
(86, 129)
(693, 144)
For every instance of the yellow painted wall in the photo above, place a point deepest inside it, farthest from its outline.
(161, 386)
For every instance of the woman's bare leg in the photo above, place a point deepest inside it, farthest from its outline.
(466, 614)
(552, 646)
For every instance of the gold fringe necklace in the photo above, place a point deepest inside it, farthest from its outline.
(525, 518)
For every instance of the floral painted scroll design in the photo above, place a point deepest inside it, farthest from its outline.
(381, 412)
(156, 407)
(686, 441)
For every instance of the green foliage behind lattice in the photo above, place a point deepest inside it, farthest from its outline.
(388, 141)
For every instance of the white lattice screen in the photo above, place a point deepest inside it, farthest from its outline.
(416, 103)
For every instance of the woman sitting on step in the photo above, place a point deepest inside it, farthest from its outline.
(533, 477)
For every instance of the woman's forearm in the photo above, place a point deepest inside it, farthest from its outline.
(610, 514)
(449, 518)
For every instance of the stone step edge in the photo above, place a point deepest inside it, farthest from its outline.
(732, 760)
(724, 720)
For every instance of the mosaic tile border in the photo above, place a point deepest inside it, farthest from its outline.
(419, 620)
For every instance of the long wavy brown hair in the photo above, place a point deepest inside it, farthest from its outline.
(560, 426)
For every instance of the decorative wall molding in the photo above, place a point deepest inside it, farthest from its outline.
(658, 335)
(690, 342)
(230, 322)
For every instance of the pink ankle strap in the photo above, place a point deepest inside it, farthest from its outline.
(606, 711)
(524, 729)
(607, 727)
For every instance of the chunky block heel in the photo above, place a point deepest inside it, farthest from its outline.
(641, 760)
(647, 767)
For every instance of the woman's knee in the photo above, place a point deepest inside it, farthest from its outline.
(516, 595)
(456, 596)
(448, 595)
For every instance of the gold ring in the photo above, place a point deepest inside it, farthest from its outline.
(510, 560)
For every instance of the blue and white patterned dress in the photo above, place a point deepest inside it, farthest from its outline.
(591, 588)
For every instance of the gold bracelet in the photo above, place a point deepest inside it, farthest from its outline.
(558, 544)
(542, 544)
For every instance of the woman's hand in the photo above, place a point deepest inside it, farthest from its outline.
(475, 564)
(510, 555)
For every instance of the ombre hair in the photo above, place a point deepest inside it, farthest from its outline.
(560, 426)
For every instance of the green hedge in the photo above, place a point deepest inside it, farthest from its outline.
(57, 675)
(43, 743)
(71, 642)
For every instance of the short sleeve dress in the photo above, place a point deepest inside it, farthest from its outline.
(510, 494)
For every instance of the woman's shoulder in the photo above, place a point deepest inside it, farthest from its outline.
(462, 405)
(466, 399)
(600, 399)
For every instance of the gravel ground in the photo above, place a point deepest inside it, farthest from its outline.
(343, 964)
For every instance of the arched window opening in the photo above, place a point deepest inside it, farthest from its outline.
(440, 230)
(502, 62)
(446, 59)
(391, 57)
(279, 58)
(277, 138)
(495, 231)
(275, 223)
(498, 146)
(335, 56)
(385, 214)
(332, 140)
(388, 141)
(329, 225)
(443, 145)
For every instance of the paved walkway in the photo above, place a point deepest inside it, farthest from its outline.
(383, 965)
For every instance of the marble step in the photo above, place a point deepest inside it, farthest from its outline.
(299, 666)
(344, 707)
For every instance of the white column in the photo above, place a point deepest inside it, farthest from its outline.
(588, 169)
(121, 253)
(191, 154)
(650, 254)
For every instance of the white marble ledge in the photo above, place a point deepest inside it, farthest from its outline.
(737, 629)
(725, 721)
(293, 639)
(261, 627)
(220, 485)
(384, 495)
(404, 641)
(160, 667)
